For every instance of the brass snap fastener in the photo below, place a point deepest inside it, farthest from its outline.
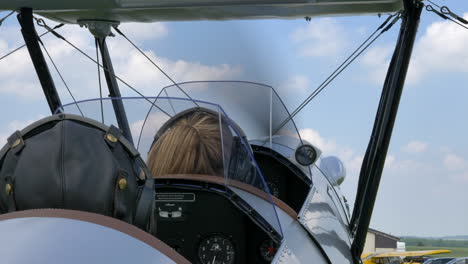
(8, 189)
(16, 143)
(111, 138)
(122, 184)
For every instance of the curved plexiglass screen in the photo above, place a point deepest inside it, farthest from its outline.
(179, 136)
(60, 240)
(257, 109)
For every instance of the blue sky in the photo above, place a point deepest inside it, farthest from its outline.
(423, 189)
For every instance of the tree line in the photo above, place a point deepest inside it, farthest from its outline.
(430, 242)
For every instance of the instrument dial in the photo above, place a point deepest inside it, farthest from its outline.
(268, 250)
(216, 249)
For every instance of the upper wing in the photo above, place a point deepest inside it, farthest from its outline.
(72, 11)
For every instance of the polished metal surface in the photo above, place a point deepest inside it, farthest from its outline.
(297, 245)
(285, 255)
(321, 216)
(60, 240)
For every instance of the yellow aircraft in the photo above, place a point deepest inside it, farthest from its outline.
(396, 257)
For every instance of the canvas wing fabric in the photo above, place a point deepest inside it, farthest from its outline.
(70, 162)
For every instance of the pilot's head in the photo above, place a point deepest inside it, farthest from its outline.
(190, 143)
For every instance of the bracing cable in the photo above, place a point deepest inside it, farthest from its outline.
(99, 79)
(154, 63)
(385, 26)
(61, 77)
(5, 17)
(42, 23)
(146, 118)
(445, 13)
(24, 45)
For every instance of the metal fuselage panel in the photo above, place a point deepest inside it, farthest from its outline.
(297, 245)
(323, 216)
(179, 10)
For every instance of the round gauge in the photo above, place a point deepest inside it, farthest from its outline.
(216, 249)
(268, 250)
(306, 155)
(274, 189)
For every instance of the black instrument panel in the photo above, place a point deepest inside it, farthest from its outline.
(216, 248)
(206, 227)
(282, 182)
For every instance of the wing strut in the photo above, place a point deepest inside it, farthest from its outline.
(114, 91)
(374, 160)
(31, 38)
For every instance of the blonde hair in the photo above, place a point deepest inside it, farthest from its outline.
(192, 145)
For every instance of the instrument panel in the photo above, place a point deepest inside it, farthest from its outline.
(207, 228)
(268, 250)
(204, 225)
(216, 249)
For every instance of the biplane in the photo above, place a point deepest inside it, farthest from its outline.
(400, 257)
(290, 211)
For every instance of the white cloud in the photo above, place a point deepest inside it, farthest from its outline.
(399, 165)
(441, 48)
(152, 125)
(13, 126)
(3, 139)
(322, 37)
(454, 162)
(376, 61)
(457, 167)
(138, 71)
(16, 73)
(19, 77)
(354, 164)
(389, 161)
(415, 147)
(461, 178)
(144, 31)
(350, 158)
(295, 83)
(312, 136)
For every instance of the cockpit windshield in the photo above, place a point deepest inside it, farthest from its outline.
(217, 152)
(255, 107)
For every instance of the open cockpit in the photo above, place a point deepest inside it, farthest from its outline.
(232, 184)
(235, 211)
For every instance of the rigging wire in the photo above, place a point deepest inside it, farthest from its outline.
(61, 77)
(385, 26)
(5, 17)
(147, 115)
(434, 3)
(444, 12)
(154, 63)
(99, 79)
(42, 23)
(163, 72)
(24, 45)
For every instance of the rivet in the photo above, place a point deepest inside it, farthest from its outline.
(111, 138)
(8, 189)
(16, 143)
(122, 184)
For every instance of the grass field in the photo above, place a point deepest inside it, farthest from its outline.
(456, 252)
